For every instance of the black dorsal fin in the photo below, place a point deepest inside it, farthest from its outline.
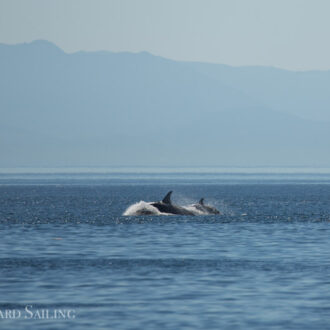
(167, 198)
(201, 201)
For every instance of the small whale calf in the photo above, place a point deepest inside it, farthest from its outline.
(207, 209)
(166, 207)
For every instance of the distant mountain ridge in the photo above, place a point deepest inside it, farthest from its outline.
(103, 108)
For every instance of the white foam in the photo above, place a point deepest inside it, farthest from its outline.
(142, 208)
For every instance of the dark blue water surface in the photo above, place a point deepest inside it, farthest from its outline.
(262, 264)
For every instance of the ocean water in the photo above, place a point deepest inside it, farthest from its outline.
(70, 259)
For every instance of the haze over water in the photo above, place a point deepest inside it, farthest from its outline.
(164, 83)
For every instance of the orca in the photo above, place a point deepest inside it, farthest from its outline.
(166, 206)
(207, 209)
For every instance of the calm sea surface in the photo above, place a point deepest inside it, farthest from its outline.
(65, 247)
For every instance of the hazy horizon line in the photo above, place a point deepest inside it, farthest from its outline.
(161, 56)
(161, 168)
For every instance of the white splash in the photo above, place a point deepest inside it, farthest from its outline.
(142, 208)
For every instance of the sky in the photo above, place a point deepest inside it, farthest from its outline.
(290, 34)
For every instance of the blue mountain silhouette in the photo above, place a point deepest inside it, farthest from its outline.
(103, 108)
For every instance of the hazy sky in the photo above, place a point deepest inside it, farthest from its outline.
(291, 34)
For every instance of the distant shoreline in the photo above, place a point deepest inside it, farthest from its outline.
(167, 169)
